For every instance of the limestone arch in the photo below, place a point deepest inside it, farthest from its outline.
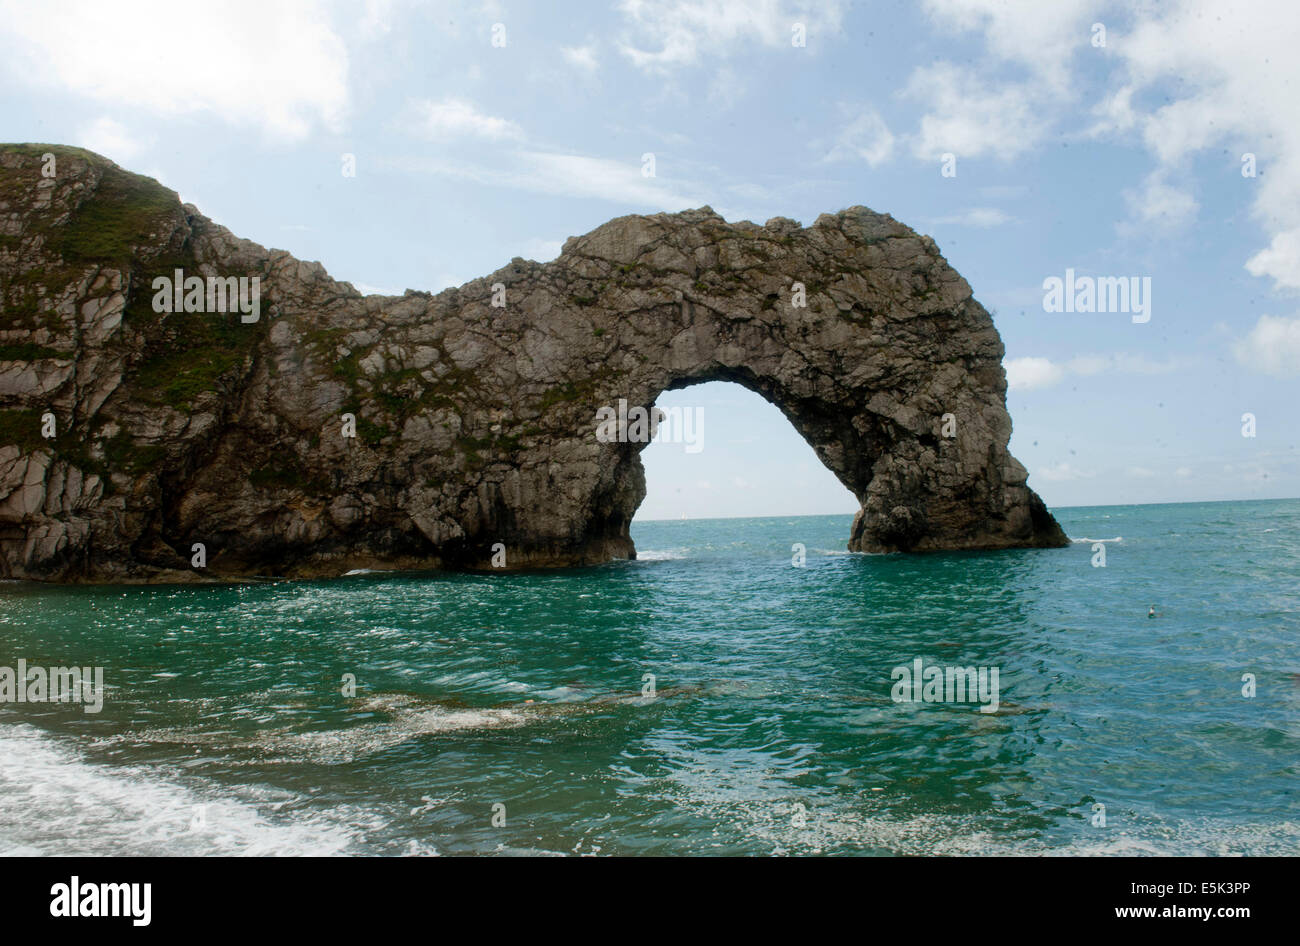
(891, 372)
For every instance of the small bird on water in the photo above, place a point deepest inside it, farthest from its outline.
(1151, 612)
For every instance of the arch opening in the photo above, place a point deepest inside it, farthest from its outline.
(725, 451)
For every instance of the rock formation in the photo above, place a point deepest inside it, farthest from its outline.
(475, 422)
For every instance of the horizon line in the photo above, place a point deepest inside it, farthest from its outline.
(814, 515)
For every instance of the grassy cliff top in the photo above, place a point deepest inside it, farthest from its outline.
(122, 212)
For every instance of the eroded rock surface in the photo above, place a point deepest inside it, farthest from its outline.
(475, 423)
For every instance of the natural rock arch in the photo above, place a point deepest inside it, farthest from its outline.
(890, 342)
(475, 408)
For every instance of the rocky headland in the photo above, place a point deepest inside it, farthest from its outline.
(138, 425)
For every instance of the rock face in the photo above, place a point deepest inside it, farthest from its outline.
(475, 422)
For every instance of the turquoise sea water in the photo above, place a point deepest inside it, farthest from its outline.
(771, 728)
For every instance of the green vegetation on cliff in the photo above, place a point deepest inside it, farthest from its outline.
(127, 211)
(21, 427)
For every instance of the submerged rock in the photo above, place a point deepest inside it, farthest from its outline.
(474, 410)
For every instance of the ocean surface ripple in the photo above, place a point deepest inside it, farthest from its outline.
(708, 698)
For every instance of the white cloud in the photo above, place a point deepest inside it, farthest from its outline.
(981, 217)
(1271, 347)
(368, 290)
(581, 57)
(1039, 37)
(1281, 260)
(531, 169)
(111, 139)
(668, 34)
(1025, 374)
(456, 118)
(1061, 472)
(1234, 73)
(1114, 113)
(564, 175)
(576, 175)
(1158, 204)
(1187, 76)
(279, 66)
(970, 118)
(864, 137)
(377, 18)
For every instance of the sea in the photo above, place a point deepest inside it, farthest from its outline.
(741, 688)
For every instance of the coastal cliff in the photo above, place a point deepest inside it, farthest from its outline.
(286, 424)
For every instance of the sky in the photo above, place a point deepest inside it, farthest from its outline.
(1027, 138)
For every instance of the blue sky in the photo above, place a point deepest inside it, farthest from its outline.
(1115, 160)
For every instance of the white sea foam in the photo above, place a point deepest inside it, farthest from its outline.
(786, 825)
(409, 718)
(660, 555)
(1118, 538)
(340, 746)
(54, 801)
